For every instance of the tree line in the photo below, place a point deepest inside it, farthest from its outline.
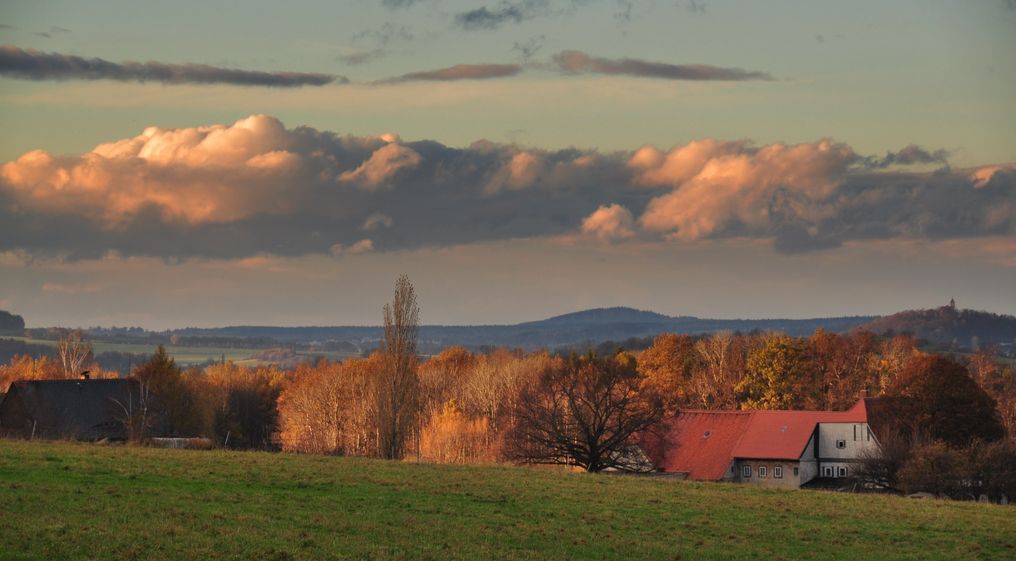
(580, 410)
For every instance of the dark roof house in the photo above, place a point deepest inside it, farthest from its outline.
(71, 409)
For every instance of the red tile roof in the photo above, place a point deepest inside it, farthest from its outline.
(699, 443)
(703, 443)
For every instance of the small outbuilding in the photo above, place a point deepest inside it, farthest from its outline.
(68, 409)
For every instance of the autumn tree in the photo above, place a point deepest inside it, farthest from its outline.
(452, 437)
(938, 400)
(775, 375)
(443, 378)
(173, 406)
(74, 352)
(245, 413)
(398, 387)
(24, 367)
(667, 367)
(586, 414)
(841, 369)
(721, 360)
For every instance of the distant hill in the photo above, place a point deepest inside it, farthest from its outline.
(578, 328)
(949, 325)
(11, 324)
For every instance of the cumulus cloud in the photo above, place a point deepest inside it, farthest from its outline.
(256, 187)
(29, 64)
(610, 223)
(458, 72)
(577, 62)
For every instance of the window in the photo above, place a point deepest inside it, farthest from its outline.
(795, 471)
(763, 471)
(827, 471)
(745, 471)
(855, 433)
(778, 472)
(841, 471)
(841, 444)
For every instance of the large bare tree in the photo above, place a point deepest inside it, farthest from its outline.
(398, 387)
(75, 352)
(586, 414)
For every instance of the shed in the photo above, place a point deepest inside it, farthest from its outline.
(71, 409)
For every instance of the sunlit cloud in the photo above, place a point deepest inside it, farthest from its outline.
(256, 187)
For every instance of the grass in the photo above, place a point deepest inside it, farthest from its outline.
(77, 501)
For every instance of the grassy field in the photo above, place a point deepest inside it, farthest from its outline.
(77, 501)
(183, 355)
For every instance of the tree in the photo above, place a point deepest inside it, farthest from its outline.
(880, 468)
(313, 410)
(937, 468)
(586, 414)
(245, 413)
(451, 437)
(667, 368)
(940, 401)
(722, 359)
(398, 387)
(75, 352)
(776, 375)
(172, 407)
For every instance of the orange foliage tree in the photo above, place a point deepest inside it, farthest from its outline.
(451, 437)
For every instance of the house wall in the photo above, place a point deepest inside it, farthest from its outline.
(788, 481)
(857, 441)
(808, 464)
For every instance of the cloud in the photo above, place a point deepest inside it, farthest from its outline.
(354, 58)
(382, 166)
(610, 223)
(577, 62)
(506, 12)
(53, 30)
(256, 187)
(396, 4)
(29, 64)
(358, 248)
(377, 221)
(385, 34)
(910, 155)
(458, 72)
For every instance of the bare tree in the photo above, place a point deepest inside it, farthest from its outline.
(134, 413)
(75, 352)
(585, 414)
(398, 387)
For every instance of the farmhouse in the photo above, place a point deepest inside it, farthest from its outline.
(769, 448)
(72, 409)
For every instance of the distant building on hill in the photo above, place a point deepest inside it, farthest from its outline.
(770, 448)
(68, 409)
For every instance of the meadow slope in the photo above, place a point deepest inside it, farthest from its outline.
(77, 501)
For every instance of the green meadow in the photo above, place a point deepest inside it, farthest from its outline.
(78, 501)
(187, 355)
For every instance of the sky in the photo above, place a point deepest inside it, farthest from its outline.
(219, 163)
